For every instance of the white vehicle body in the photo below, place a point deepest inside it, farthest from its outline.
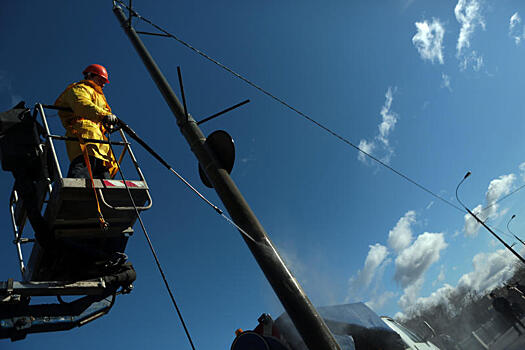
(412, 340)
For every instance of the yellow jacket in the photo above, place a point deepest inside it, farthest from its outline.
(89, 106)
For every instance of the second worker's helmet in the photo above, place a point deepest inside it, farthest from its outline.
(98, 70)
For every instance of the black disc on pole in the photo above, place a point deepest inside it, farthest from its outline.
(221, 144)
(250, 341)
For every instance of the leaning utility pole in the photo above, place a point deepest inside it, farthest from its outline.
(307, 320)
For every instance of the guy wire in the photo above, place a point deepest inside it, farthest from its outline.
(153, 251)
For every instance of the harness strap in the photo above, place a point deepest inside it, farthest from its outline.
(112, 169)
(103, 224)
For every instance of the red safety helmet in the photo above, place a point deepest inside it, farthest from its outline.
(98, 70)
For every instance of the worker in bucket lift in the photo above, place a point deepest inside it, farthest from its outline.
(90, 118)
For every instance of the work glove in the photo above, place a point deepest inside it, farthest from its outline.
(110, 120)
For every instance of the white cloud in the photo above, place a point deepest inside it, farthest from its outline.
(400, 237)
(367, 283)
(410, 294)
(497, 188)
(468, 14)
(381, 140)
(478, 61)
(389, 118)
(414, 258)
(445, 82)
(471, 225)
(400, 316)
(473, 59)
(376, 256)
(490, 270)
(516, 30)
(367, 147)
(522, 170)
(429, 40)
(440, 296)
(413, 262)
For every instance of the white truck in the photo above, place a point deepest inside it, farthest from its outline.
(412, 340)
(354, 326)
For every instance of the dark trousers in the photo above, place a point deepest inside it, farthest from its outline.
(78, 168)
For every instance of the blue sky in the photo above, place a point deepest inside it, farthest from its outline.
(434, 89)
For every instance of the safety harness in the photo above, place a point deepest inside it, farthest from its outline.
(83, 147)
(103, 224)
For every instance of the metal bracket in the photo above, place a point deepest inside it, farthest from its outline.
(222, 112)
(181, 86)
(24, 240)
(155, 34)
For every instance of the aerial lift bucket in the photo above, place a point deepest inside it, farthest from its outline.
(85, 259)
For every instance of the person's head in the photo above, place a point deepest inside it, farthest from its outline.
(96, 73)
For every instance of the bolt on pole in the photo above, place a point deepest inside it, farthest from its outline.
(305, 317)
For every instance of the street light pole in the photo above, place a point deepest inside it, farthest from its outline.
(305, 317)
(508, 223)
(483, 223)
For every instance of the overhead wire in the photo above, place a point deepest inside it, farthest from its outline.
(304, 115)
(150, 244)
(152, 249)
(503, 197)
(126, 128)
(307, 117)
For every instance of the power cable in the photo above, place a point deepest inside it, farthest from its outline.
(284, 103)
(150, 244)
(502, 198)
(125, 127)
(481, 222)
(304, 115)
